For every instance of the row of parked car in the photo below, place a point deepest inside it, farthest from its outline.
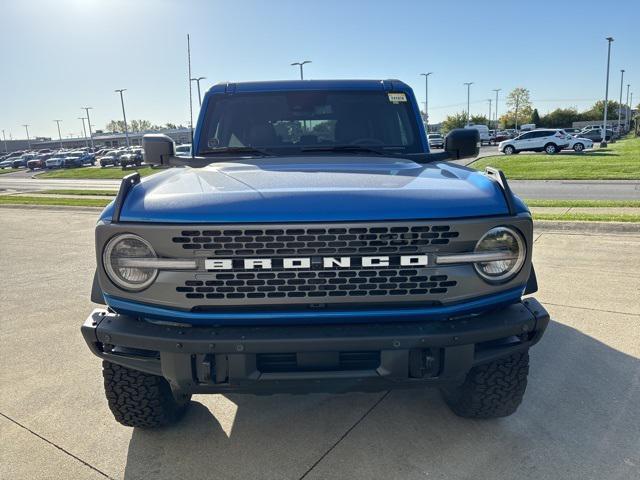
(548, 140)
(65, 158)
(48, 159)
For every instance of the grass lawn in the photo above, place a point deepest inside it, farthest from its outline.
(621, 161)
(109, 173)
(69, 191)
(582, 203)
(587, 217)
(10, 170)
(66, 202)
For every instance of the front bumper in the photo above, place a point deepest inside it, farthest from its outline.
(314, 358)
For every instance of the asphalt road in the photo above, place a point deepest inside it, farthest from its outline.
(579, 420)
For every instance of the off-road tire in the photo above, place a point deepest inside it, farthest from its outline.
(138, 399)
(492, 389)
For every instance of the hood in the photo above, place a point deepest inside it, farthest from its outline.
(308, 189)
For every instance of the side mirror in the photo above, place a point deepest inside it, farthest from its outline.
(462, 143)
(158, 149)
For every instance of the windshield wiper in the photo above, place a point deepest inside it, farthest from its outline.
(234, 150)
(346, 148)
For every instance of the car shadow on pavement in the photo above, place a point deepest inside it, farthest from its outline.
(580, 418)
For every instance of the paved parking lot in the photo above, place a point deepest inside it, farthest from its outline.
(580, 418)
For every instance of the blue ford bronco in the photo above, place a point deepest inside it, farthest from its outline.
(312, 243)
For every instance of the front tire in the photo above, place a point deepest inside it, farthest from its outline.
(509, 150)
(138, 399)
(578, 147)
(491, 390)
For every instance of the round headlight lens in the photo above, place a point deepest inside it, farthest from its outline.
(504, 240)
(121, 248)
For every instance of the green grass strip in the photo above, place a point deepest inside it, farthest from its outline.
(102, 193)
(109, 173)
(66, 202)
(583, 203)
(10, 170)
(587, 217)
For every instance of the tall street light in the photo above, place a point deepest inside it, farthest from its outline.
(84, 131)
(496, 109)
(300, 64)
(86, 109)
(603, 132)
(627, 110)
(5, 141)
(26, 127)
(620, 102)
(59, 134)
(197, 80)
(426, 100)
(126, 131)
(468, 84)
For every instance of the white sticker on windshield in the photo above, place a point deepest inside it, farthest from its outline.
(397, 97)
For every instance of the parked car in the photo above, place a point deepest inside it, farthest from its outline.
(512, 132)
(19, 162)
(133, 157)
(527, 127)
(435, 140)
(73, 159)
(483, 130)
(111, 158)
(6, 164)
(596, 134)
(572, 131)
(56, 161)
(183, 150)
(501, 136)
(543, 140)
(39, 161)
(578, 144)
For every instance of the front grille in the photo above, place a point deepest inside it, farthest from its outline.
(363, 240)
(288, 362)
(317, 284)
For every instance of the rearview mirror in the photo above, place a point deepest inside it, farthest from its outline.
(158, 149)
(462, 143)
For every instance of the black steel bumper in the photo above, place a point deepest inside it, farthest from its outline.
(322, 358)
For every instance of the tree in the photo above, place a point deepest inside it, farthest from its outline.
(519, 104)
(535, 117)
(115, 126)
(596, 112)
(457, 120)
(560, 118)
(171, 126)
(479, 120)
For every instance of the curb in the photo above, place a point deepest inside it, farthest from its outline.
(629, 228)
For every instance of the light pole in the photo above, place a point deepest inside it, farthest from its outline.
(5, 141)
(496, 109)
(301, 64)
(603, 132)
(620, 102)
(86, 109)
(84, 131)
(627, 110)
(426, 100)
(197, 80)
(468, 84)
(126, 131)
(26, 127)
(489, 117)
(59, 135)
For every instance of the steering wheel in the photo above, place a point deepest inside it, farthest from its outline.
(365, 140)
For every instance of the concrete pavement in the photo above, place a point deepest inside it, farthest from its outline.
(579, 418)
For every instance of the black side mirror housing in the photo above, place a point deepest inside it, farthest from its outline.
(158, 149)
(462, 143)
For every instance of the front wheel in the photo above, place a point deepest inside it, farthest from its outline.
(138, 399)
(550, 149)
(578, 147)
(491, 390)
(509, 150)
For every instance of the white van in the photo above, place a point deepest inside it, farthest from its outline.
(527, 127)
(483, 130)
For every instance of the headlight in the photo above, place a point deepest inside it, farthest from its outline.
(124, 259)
(508, 242)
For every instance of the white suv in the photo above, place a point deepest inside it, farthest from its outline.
(541, 140)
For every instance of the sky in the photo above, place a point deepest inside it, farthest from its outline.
(60, 55)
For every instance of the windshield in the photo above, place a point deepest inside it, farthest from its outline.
(292, 121)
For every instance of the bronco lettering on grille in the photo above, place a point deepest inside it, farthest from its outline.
(316, 262)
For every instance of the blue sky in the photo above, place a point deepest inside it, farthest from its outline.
(59, 55)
